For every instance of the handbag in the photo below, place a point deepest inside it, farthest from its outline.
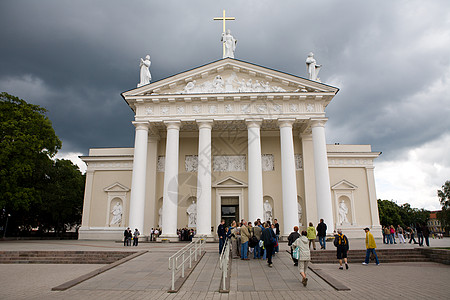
(296, 253)
(261, 244)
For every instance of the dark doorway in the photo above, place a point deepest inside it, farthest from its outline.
(230, 210)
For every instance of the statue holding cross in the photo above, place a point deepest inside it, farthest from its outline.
(228, 41)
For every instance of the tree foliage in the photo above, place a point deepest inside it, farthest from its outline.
(405, 215)
(444, 198)
(35, 189)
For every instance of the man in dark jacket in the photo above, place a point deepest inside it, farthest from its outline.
(291, 239)
(341, 243)
(269, 238)
(322, 233)
(222, 234)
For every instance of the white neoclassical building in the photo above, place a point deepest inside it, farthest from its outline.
(232, 138)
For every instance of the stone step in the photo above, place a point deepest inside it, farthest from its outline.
(385, 255)
(62, 257)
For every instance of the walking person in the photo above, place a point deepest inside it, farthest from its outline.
(341, 243)
(269, 238)
(370, 247)
(291, 239)
(311, 235)
(277, 233)
(136, 237)
(411, 235)
(304, 255)
(400, 231)
(322, 233)
(245, 236)
(221, 234)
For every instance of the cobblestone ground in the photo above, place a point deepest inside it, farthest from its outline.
(147, 277)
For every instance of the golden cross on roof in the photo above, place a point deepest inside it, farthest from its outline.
(223, 19)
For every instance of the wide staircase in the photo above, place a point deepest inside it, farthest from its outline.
(62, 257)
(384, 255)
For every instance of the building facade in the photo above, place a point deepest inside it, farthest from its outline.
(229, 140)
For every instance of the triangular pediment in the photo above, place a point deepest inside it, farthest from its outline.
(116, 187)
(344, 185)
(229, 76)
(230, 181)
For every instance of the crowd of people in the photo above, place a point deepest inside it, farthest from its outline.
(393, 234)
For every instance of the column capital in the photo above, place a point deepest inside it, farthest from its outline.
(319, 122)
(204, 124)
(285, 122)
(253, 123)
(141, 125)
(175, 124)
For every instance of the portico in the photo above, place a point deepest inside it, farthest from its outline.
(235, 129)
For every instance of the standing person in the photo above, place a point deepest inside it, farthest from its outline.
(411, 235)
(370, 246)
(387, 233)
(277, 233)
(304, 257)
(392, 232)
(384, 235)
(245, 236)
(136, 237)
(400, 231)
(125, 237)
(322, 233)
(221, 234)
(341, 243)
(233, 237)
(269, 238)
(311, 234)
(426, 234)
(419, 234)
(257, 231)
(129, 236)
(291, 239)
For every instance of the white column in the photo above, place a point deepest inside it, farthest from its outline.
(137, 201)
(323, 191)
(255, 184)
(204, 178)
(170, 195)
(288, 177)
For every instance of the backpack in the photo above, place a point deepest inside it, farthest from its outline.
(340, 240)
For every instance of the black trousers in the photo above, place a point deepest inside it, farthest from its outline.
(269, 252)
(135, 241)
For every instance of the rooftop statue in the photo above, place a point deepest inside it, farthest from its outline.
(230, 44)
(145, 72)
(312, 67)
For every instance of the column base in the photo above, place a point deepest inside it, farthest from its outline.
(209, 238)
(167, 239)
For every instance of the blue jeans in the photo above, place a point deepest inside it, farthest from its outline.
(263, 252)
(257, 251)
(391, 239)
(244, 249)
(221, 242)
(322, 242)
(277, 248)
(368, 251)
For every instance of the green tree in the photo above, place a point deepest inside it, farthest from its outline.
(27, 144)
(389, 213)
(403, 215)
(444, 198)
(63, 197)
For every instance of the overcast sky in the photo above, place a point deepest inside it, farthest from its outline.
(390, 59)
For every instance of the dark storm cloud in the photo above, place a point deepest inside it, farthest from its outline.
(75, 57)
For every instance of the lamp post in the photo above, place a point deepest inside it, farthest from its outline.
(6, 225)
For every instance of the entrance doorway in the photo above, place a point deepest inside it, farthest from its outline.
(229, 209)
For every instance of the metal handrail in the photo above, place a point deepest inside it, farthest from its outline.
(179, 259)
(223, 261)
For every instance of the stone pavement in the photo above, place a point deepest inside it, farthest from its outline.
(147, 276)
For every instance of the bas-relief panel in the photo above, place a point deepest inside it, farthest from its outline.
(191, 163)
(267, 162)
(298, 162)
(229, 163)
(160, 165)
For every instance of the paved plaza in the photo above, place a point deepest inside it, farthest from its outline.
(147, 276)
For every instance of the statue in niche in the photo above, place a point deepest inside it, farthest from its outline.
(160, 212)
(230, 44)
(267, 211)
(145, 72)
(312, 67)
(192, 213)
(299, 212)
(343, 210)
(117, 214)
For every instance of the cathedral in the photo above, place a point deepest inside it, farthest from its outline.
(229, 140)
